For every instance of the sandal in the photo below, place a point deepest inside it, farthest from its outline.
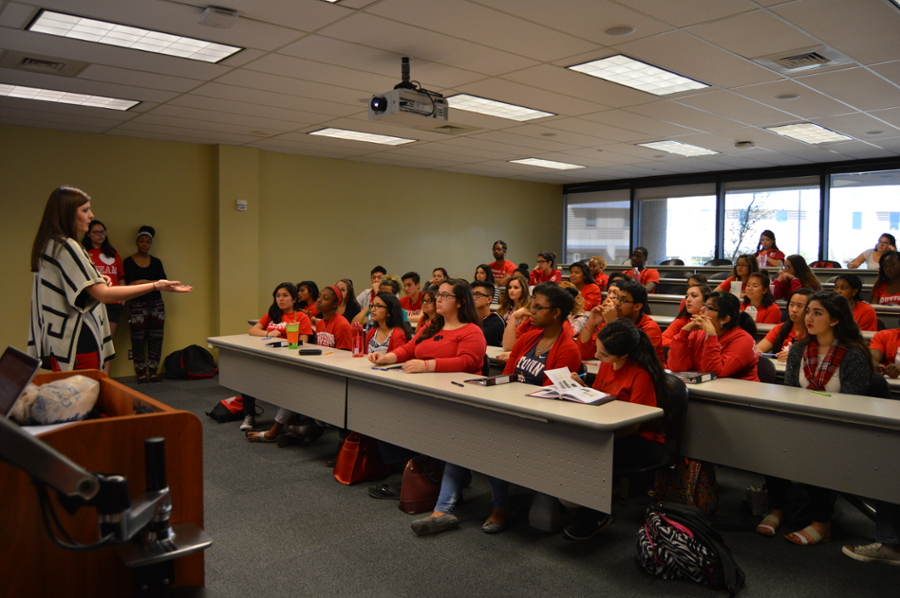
(769, 525)
(815, 537)
(259, 437)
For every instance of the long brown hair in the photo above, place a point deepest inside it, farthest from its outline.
(507, 304)
(466, 312)
(58, 222)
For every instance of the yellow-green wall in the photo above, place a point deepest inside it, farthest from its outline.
(308, 218)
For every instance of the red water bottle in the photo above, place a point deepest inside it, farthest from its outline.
(359, 340)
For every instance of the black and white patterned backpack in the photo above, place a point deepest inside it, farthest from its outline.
(677, 542)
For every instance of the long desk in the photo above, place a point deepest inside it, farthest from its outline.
(848, 443)
(556, 447)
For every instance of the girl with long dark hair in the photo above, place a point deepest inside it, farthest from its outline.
(108, 263)
(767, 252)
(850, 286)
(545, 271)
(793, 275)
(886, 289)
(758, 296)
(580, 276)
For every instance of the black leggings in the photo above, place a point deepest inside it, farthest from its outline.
(821, 500)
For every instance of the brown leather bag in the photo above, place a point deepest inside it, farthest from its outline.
(421, 485)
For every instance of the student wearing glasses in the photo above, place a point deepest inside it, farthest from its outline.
(872, 257)
(501, 268)
(546, 269)
(492, 324)
(719, 339)
(629, 302)
(743, 268)
(429, 308)
(390, 331)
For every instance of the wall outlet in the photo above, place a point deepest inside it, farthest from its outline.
(130, 355)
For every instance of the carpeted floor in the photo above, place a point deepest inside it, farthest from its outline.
(282, 526)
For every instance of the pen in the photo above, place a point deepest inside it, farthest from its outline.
(457, 383)
(816, 392)
(582, 375)
(329, 353)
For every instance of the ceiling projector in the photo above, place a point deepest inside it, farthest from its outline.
(409, 105)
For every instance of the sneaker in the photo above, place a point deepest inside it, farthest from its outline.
(249, 422)
(873, 553)
(588, 525)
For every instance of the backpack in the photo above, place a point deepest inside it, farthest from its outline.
(228, 410)
(190, 363)
(677, 542)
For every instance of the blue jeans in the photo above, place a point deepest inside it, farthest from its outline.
(452, 484)
(887, 522)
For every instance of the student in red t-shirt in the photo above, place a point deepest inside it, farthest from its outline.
(886, 288)
(453, 342)
(597, 265)
(580, 276)
(546, 269)
(793, 275)
(501, 268)
(108, 263)
(744, 266)
(648, 277)
(850, 286)
(758, 296)
(781, 338)
(412, 299)
(694, 298)
(719, 339)
(630, 303)
(273, 325)
(767, 252)
(307, 295)
(630, 371)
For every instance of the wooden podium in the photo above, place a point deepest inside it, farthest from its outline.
(31, 564)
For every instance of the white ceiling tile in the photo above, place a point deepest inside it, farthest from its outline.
(685, 116)
(858, 124)
(252, 95)
(329, 74)
(857, 150)
(559, 80)
(111, 74)
(602, 134)
(856, 87)
(16, 15)
(216, 105)
(522, 141)
(638, 126)
(304, 16)
(177, 133)
(43, 123)
(808, 104)
(737, 108)
(295, 87)
(515, 93)
(256, 123)
(771, 34)
(431, 75)
(864, 31)
(406, 40)
(195, 126)
(76, 85)
(485, 26)
(60, 113)
(690, 12)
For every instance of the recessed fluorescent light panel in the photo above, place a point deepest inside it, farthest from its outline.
(809, 133)
(638, 75)
(677, 147)
(113, 34)
(64, 97)
(547, 164)
(494, 108)
(360, 136)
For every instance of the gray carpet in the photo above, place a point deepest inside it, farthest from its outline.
(282, 526)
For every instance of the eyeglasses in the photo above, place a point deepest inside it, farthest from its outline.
(543, 262)
(445, 296)
(620, 300)
(427, 300)
(482, 295)
(709, 308)
(376, 306)
(98, 232)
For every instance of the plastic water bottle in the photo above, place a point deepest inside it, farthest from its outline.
(359, 340)
(751, 311)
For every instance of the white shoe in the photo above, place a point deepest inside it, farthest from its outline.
(873, 553)
(249, 422)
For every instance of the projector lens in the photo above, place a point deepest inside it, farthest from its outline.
(378, 104)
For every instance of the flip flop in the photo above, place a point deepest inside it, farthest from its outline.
(259, 437)
(815, 537)
(769, 525)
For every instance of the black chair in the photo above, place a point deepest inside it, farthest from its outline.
(878, 387)
(718, 262)
(486, 366)
(831, 280)
(674, 262)
(718, 276)
(880, 326)
(765, 369)
(675, 414)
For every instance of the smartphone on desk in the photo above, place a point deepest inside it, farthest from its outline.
(310, 351)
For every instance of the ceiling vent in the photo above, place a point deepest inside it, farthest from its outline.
(803, 60)
(47, 65)
(448, 129)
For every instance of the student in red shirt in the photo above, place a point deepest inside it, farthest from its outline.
(108, 263)
(349, 307)
(884, 348)
(850, 286)
(886, 289)
(794, 274)
(597, 265)
(333, 331)
(767, 252)
(390, 331)
(412, 299)
(438, 276)
(273, 325)
(743, 268)
(694, 298)
(546, 270)
(780, 339)
(648, 277)
(630, 303)
(759, 297)
(719, 339)
(307, 295)
(630, 371)
(501, 268)
(580, 276)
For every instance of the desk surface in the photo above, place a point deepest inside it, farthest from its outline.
(508, 398)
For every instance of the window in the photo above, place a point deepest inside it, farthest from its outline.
(789, 208)
(874, 196)
(598, 224)
(678, 222)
